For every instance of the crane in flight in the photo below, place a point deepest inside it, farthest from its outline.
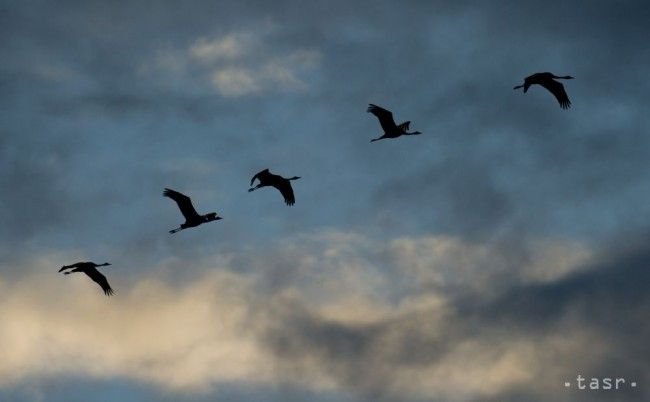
(548, 81)
(283, 185)
(391, 130)
(90, 269)
(192, 218)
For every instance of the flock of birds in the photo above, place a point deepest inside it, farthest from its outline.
(267, 179)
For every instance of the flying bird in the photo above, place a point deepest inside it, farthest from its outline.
(192, 218)
(283, 185)
(89, 268)
(391, 130)
(547, 80)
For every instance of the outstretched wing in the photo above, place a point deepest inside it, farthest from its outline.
(75, 265)
(385, 117)
(284, 186)
(184, 203)
(557, 89)
(258, 175)
(97, 276)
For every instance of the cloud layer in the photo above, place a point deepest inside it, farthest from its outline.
(324, 326)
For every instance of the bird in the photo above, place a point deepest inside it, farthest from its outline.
(89, 268)
(391, 130)
(192, 218)
(283, 185)
(547, 80)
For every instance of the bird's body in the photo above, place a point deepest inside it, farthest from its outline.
(192, 218)
(547, 80)
(90, 269)
(283, 185)
(391, 130)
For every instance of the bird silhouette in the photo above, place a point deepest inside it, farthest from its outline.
(89, 268)
(283, 185)
(547, 80)
(391, 130)
(192, 218)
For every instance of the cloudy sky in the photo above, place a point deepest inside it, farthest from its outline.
(493, 258)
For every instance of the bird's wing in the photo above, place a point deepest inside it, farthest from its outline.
(284, 186)
(97, 276)
(258, 174)
(557, 89)
(75, 265)
(385, 117)
(184, 203)
(404, 126)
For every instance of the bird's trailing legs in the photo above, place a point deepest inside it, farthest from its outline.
(254, 188)
(178, 229)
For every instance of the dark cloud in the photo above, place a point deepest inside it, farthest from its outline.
(609, 300)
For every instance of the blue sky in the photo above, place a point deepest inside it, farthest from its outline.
(483, 260)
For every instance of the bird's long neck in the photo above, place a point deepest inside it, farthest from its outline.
(566, 77)
(294, 178)
(103, 265)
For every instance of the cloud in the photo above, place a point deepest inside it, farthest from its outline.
(242, 63)
(275, 74)
(331, 324)
(227, 47)
(235, 82)
(178, 338)
(526, 340)
(448, 264)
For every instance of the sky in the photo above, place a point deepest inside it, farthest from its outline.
(495, 257)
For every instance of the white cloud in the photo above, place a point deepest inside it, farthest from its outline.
(179, 338)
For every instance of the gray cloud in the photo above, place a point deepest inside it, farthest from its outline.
(598, 311)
